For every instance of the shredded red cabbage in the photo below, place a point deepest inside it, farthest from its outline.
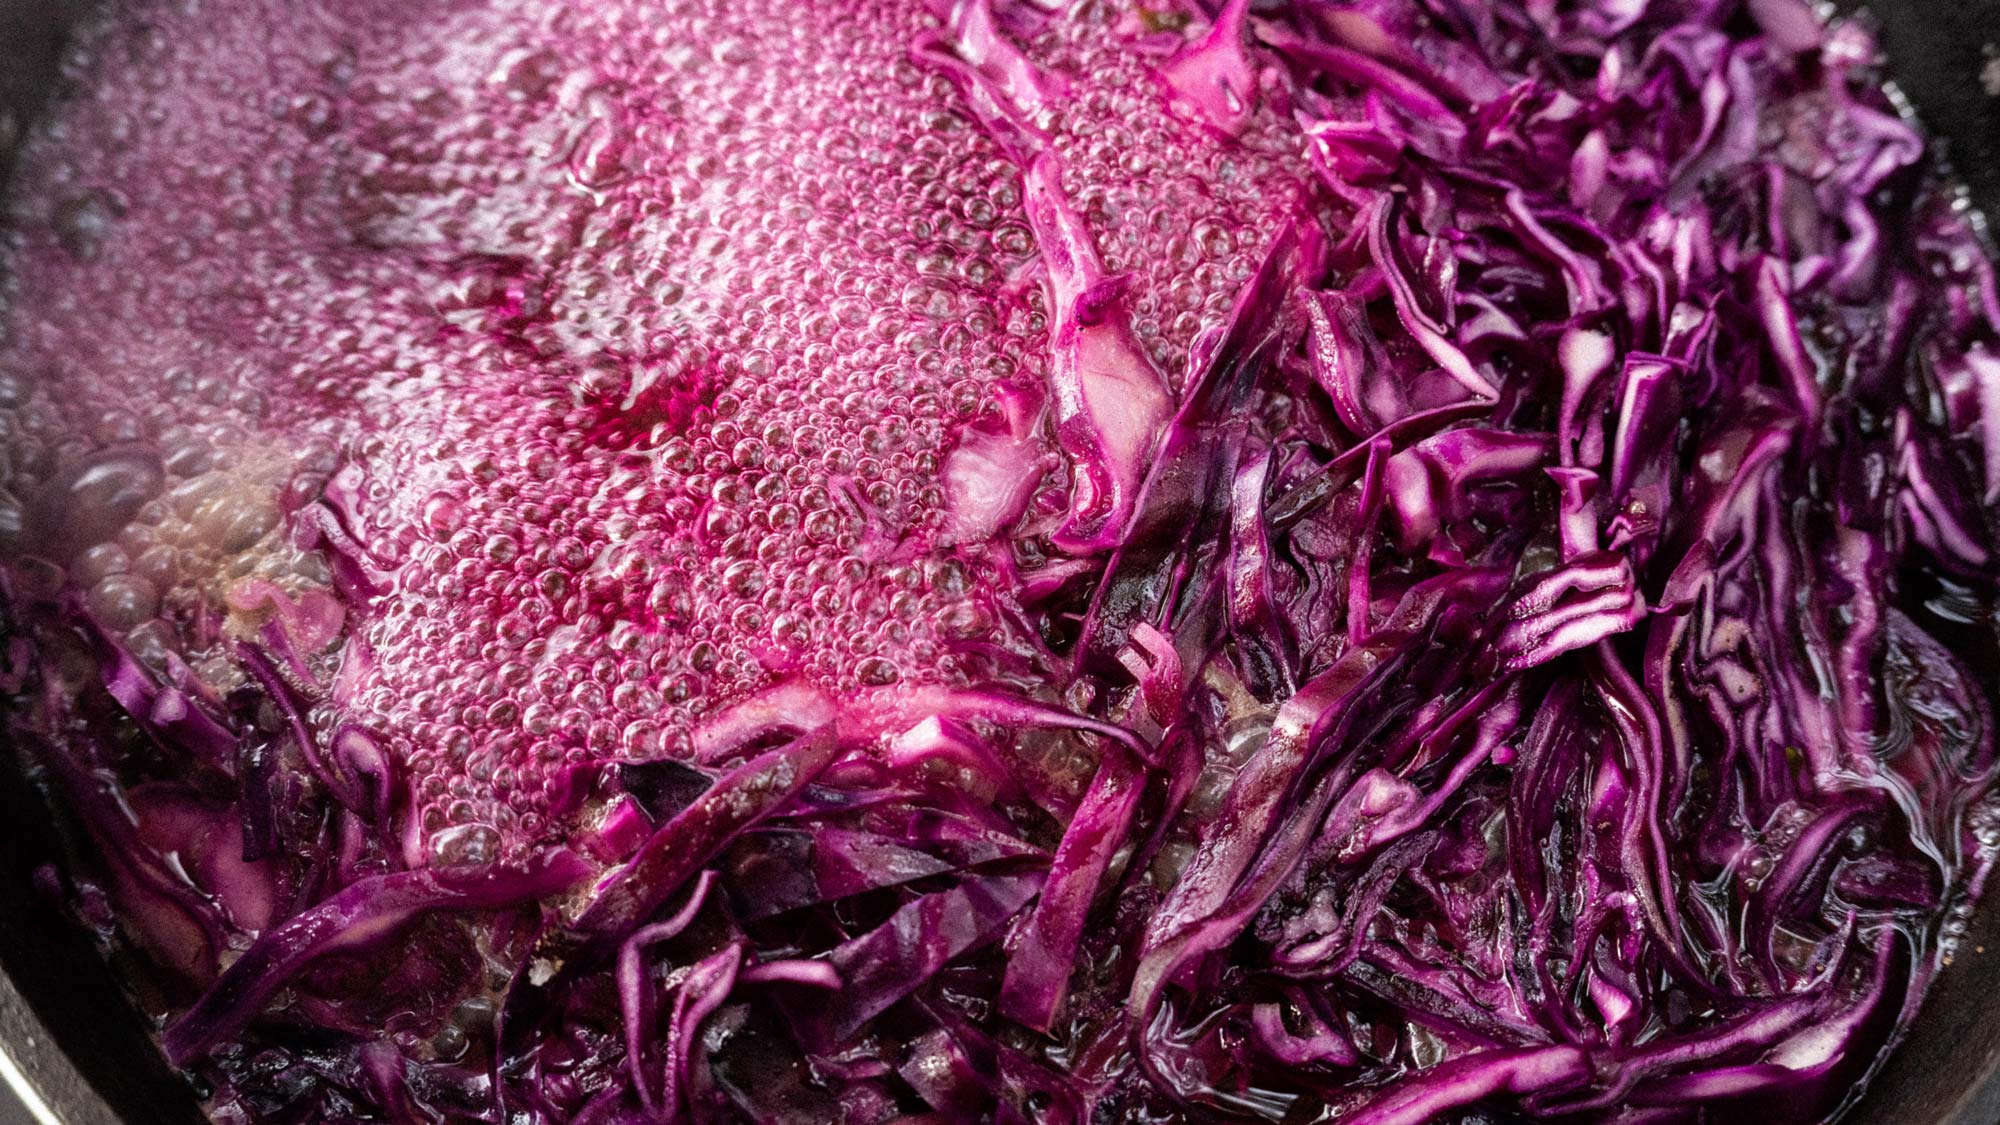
(1505, 632)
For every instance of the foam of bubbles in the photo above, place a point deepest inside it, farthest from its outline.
(640, 330)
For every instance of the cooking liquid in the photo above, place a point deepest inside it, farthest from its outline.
(501, 399)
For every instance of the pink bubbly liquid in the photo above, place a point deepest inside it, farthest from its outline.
(637, 333)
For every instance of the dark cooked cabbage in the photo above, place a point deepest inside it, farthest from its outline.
(1535, 658)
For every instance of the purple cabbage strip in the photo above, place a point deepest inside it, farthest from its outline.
(370, 911)
(1531, 666)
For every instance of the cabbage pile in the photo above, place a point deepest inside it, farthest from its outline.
(1534, 661)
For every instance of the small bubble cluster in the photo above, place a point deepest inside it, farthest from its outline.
(637, 333)
(1187, 216)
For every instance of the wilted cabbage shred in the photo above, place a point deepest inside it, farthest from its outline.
(1511, 634)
